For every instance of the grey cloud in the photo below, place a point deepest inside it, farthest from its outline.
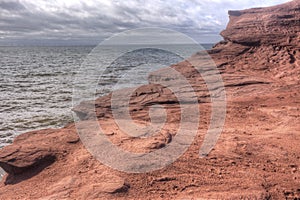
(11, 5)
(26, 20)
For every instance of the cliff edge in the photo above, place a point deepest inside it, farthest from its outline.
(256, 157)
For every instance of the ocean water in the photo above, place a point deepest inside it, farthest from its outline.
(36, 83)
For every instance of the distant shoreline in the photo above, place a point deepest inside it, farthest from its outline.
(93, 46)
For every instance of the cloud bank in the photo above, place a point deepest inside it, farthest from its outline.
(74, 22)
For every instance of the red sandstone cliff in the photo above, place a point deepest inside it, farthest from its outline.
(256, 157)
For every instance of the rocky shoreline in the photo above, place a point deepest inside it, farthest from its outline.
(256, 156)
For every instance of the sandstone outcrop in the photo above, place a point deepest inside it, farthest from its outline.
(256, 157)
(277, 25)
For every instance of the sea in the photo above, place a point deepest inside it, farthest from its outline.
(37, 83)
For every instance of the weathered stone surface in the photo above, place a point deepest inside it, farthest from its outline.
(278, 25)
(257, 155)
(35, 149)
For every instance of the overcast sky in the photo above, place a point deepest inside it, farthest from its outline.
(68, 22)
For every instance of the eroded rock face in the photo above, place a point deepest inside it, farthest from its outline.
(277, 25)
(262, 40)
(257, 155)
(34, 151)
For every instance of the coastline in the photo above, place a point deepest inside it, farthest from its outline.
(256, 157)
(39, 94)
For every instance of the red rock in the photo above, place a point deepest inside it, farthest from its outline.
(35, 149)
(277, 25)
(260, 64)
